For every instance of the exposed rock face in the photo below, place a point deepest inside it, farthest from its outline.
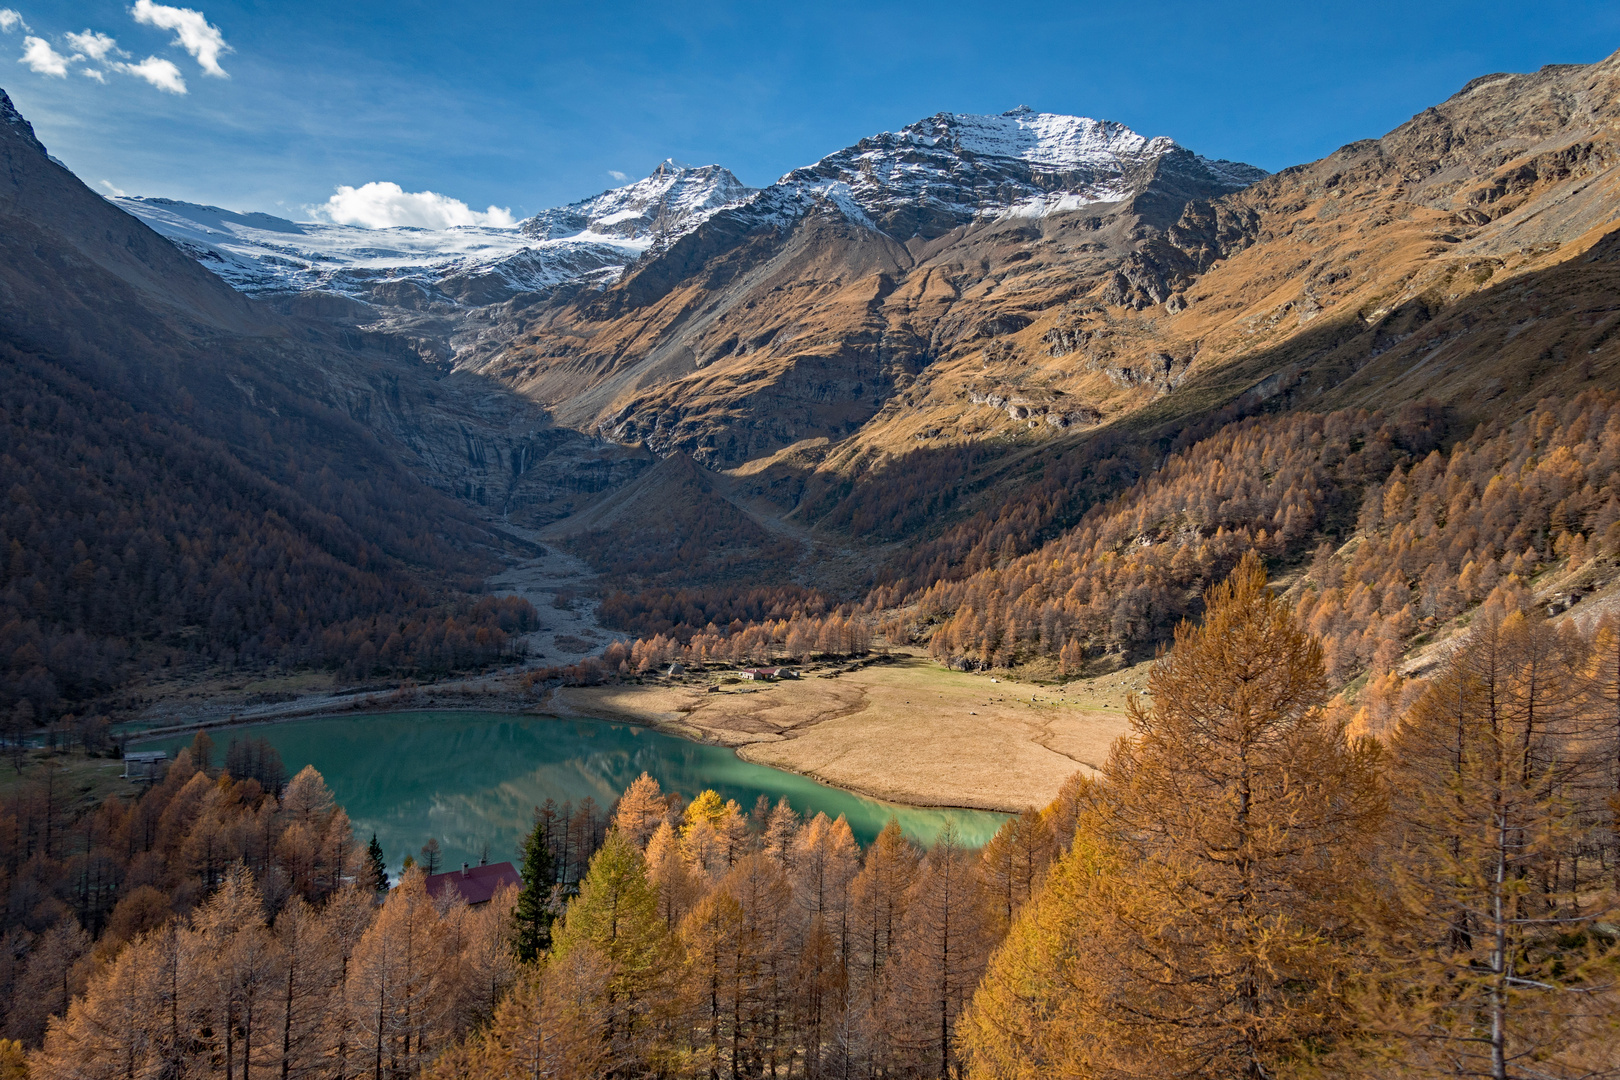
(665, 206)
(21, 129)
(811, 310)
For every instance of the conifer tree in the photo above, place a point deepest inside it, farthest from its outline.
(13, 1060)
(781, 829)
(616, 914)
(398, 998)
(678, 886)
(1034, 1014)
(486, 957)
(942, 950)
(1496, 937)
(1014, 863)
(825, 860)
(304, 981)
(238, 975)
(553, 1023)
(617, 910)
(376, 867)
(536, 902)
(641, 810)
(712, 936)
(878, 897)
(1233, 828)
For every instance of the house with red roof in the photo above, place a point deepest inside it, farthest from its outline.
(476, 884)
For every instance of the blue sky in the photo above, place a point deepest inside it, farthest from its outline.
(529, 105)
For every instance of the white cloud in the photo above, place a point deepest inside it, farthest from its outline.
(192, 32)
(159, 72)
(11, 20)
(41, 58)
(387, 205)
(93, 45)
(93, 73)
(621, 177)
(111, 190)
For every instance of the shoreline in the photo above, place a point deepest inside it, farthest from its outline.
(906, 732)
(155, 734)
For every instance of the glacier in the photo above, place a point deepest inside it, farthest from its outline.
(589, 242)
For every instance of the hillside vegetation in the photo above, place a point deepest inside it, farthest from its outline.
(180, 496)
(1406, 535)
(1243, 891)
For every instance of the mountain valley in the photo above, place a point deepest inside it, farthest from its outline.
(1182, 602)
(922, 356)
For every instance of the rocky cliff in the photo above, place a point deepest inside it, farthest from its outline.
(818, 307)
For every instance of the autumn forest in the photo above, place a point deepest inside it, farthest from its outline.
(1211, 576)
(1244, 890)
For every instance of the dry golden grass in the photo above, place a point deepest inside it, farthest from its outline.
(909, 731)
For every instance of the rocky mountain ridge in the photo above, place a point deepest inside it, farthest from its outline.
(668, 204)
(923, 314)
(953, 169)
(588, 243)
(800, 313)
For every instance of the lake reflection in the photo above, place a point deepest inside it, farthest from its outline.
(472, 779)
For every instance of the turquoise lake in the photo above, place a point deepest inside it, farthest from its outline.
(470, 779)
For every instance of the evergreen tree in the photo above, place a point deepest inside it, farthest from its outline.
(377, 866)
(534, 912)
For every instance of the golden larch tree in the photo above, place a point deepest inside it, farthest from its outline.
(1226, 837)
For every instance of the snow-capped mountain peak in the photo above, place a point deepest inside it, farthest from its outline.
(951, 169)
(1045, 140)
(940, 173)
(668, 204)
(589, 241)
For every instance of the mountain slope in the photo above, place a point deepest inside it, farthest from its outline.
(804, 312)
(181, 488)
(1005, 319)
(587, 242)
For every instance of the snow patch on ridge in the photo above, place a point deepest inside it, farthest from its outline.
(1059, 202)
(943, 172)
(953, 169)
(592, 241)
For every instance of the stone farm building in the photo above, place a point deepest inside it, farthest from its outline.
(768, 674)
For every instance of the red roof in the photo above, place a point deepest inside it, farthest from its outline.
(476, 884)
